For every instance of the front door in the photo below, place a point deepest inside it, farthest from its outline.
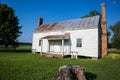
(55, 46)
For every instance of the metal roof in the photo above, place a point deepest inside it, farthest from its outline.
(83, 23)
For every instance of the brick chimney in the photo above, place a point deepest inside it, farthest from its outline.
(103, 31)
(40, 21)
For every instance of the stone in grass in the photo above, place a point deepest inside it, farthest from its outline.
(70, 72)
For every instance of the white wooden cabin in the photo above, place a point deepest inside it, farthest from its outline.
(81, 36)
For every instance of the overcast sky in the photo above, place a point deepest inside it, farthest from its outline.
(28, 12)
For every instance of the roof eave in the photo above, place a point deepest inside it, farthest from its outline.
(38, 31)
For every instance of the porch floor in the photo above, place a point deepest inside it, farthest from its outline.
(52, 55)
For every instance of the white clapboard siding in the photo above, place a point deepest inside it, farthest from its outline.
(89, 42)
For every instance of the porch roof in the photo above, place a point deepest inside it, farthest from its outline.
(56, 37)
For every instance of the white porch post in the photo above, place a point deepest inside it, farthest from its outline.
(63, 47)
(41, 46)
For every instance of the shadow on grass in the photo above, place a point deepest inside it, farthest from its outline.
(15, 51)
(90, 76)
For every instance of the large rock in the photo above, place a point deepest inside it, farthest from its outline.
(70, 72)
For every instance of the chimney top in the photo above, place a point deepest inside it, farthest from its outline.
(102, 4)
(40, 21)
(103, 7)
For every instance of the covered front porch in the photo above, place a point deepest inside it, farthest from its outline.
(57, 45)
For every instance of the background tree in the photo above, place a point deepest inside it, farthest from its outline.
(116, 35)
(108, 38)
(92, 13)
(9, 26)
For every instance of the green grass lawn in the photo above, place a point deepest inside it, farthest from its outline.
(27, 66)
(20, 49)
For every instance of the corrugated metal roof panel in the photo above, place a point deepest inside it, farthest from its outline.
(71, 24)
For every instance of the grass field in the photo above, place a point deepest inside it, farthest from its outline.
(26, 66)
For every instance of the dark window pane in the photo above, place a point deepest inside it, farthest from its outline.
(39, 42)
(79, 43)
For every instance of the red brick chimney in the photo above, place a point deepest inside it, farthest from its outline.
(40, 21)
(104, 31)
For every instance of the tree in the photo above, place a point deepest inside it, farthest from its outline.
(108, 38)
(9, 26)
(116, 35)
(92, 13)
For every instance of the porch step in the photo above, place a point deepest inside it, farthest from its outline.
(52, 55)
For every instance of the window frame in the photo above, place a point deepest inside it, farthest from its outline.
(40, 42)
(78, 42)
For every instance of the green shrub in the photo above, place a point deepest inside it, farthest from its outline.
(114, 51)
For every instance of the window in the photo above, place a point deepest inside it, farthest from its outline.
(79, 43)
(39, 42)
